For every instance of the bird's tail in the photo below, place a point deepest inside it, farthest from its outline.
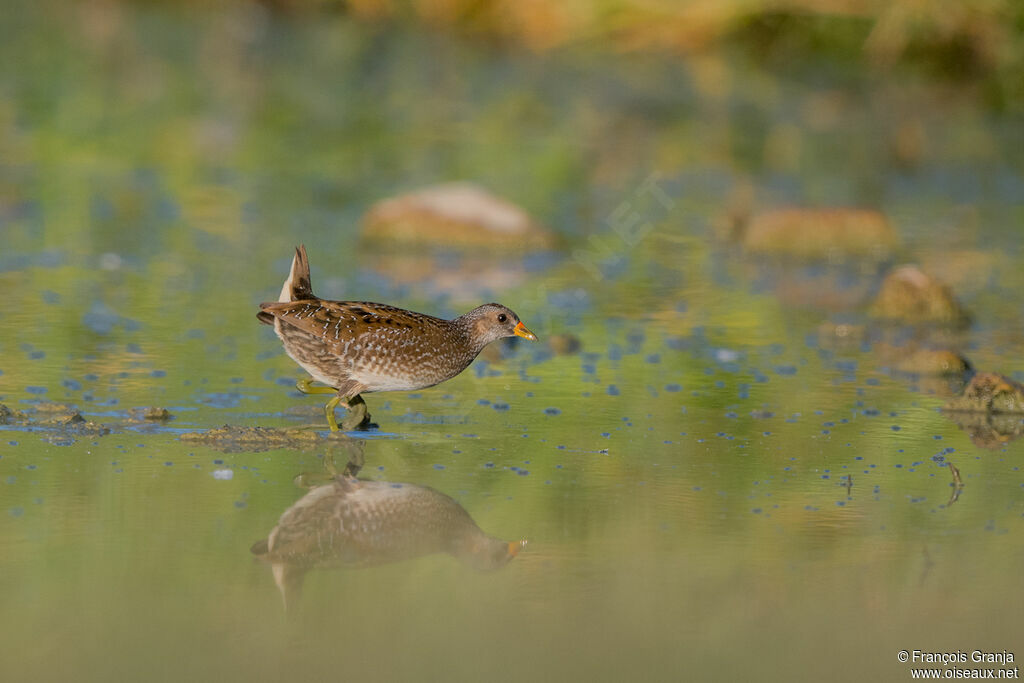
(298, 287)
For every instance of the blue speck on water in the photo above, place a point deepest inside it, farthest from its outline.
(589, 368)
(100, 318)
(168, 463)
(36, 355)
(30, 467)
(236, 380)
(895, 428)
(673, 388)
(552, 411)
(840, 503)
(483, 402)
(12, 443)
(654, 358)
(91, 377)
(218, 461)
(756, 511)
(605, 434)
(785, 369)
(522, 473)
(500, 406)
(36, 390)
(438, 466)
(239, 504)
(158, 373)
(72, 385)
(613, 390)
(489, 464)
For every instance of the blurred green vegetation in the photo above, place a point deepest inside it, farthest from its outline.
(976, 44)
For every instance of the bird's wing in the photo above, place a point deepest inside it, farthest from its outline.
(337, 322)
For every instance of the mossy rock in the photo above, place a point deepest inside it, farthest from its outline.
(232, 438)
(151, 414)
(74, 423)
(990, 392)
(820, 234)
(454, 215)
(8, 416)
(908, 295)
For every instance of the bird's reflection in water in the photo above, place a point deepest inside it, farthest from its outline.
(350, 523)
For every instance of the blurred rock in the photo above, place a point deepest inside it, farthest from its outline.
(908, 143)
(832, 234)
(564, 344)
(454, 215)
(989, 392)
(908, 295)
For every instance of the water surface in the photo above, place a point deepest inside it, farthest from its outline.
(711, 488)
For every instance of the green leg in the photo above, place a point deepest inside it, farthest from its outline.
(306, 387)
(329, 410)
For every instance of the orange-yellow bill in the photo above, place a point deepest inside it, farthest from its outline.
(521, 331)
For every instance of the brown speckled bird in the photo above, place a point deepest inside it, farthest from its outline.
(356, 347)
(349, 523)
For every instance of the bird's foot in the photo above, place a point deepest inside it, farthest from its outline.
(358, 416)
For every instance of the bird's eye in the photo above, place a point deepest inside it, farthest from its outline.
(502, 317)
